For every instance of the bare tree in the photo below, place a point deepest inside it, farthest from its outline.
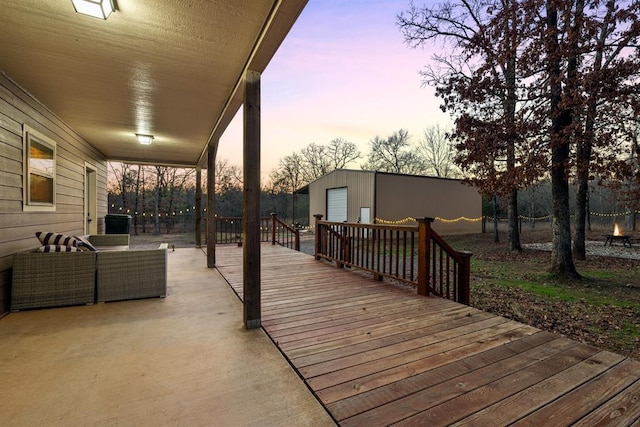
(287, 178)
(314, 162)
(228, 177)
(318, 160)
(393, 154)
(123, 177)
(342, 153)
(437, 153)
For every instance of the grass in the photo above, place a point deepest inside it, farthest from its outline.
(603, 308)
(546, 285)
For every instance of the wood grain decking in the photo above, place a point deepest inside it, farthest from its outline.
(377, 354)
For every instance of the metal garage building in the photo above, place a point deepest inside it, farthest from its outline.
(368, 197)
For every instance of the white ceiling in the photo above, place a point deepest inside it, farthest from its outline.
(170, 68)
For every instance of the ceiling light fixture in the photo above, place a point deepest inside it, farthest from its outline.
(96, 8)
(144, 139)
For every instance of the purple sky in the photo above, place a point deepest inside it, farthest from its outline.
(343, 71)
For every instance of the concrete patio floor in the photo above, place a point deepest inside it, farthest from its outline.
(180, 360)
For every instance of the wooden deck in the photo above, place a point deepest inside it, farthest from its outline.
(378, 354)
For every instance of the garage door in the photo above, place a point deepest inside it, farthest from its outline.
(337, 204)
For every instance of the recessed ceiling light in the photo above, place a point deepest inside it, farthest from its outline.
(144, 139)
(96, 8)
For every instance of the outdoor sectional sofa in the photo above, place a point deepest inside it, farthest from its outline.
(111, 273)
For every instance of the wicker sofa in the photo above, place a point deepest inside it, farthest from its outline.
(52, 279)
(71, 278)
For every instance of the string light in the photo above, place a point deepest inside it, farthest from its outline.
(530, 218)
(412, 219)
(398, 222)
(614, 214)
(462, 218)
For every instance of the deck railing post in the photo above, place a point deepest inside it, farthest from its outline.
(273, 228)
(344, 247)
(464, 277)
(347, 249)
(424, 246)
(318, 237)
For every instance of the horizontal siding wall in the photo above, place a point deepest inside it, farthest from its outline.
(360, 192)
(402, 196)
(17, 228)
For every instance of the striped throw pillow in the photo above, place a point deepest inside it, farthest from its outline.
(56, 239)
(57, 248)
(83, 244)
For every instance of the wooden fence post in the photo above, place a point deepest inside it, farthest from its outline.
(273, 228)
(464, 277)
(424, 249)
(318, 238)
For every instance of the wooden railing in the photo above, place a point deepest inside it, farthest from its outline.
(415, 255)
(272, 229)
(283, 234)
(229, 230)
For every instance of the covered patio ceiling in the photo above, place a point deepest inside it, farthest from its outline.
(172, 69)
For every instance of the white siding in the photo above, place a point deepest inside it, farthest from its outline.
(17, 228)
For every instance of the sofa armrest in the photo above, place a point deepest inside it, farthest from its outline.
(99, 240)
(133, 274)
(52, 279)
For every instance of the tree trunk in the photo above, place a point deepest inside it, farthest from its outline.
(562, 260)
(510, 112)
(496, 236)
(579, 247)
(514, 232)
(561, 118)
(584, 147)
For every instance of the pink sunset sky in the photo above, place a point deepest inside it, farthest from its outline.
(343, 71)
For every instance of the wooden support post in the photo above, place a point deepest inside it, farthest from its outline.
(464, 278)
(424, 248)
(198, 207)
(211, 204)
(318, 237)
(273, 228)
(251, 201)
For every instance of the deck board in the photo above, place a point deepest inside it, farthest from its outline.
(375, 353)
